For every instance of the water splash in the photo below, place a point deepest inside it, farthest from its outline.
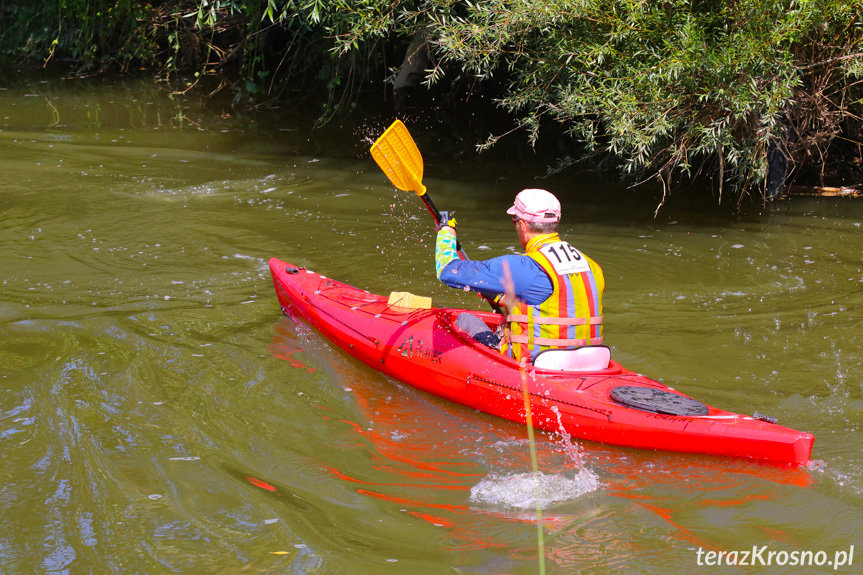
(537, 490)
(572, 450)
(526, 491)
(520, 491)
(523, 491)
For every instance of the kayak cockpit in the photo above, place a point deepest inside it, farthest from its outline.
(586, 360)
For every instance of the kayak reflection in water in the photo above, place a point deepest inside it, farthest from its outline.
(558, 288)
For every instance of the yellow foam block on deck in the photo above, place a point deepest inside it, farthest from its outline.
(409, 300)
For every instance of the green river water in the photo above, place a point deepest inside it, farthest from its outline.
(158, 414)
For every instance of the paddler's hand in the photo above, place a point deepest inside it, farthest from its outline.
(447, 220)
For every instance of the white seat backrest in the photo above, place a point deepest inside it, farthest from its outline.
(589, 358)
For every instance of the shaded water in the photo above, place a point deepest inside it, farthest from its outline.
(158, 415)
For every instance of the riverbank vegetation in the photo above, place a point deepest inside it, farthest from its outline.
(751, 93)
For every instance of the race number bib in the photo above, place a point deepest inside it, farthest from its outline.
(565, 259)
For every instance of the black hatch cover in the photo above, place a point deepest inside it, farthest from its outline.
(657, 401)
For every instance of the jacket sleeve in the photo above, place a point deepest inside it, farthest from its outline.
(532, 285)
(445, 250)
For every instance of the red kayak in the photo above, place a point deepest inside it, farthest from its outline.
(425, 349)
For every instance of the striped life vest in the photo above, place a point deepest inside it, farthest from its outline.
(571, 316)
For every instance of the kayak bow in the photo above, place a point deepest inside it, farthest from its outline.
(425, 349)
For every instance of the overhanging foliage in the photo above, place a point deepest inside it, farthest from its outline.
(678, 86)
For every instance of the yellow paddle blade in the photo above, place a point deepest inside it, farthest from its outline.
(399, 158)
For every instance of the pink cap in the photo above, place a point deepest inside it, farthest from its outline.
(536, 206)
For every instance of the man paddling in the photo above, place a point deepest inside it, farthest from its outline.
(559, 289)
